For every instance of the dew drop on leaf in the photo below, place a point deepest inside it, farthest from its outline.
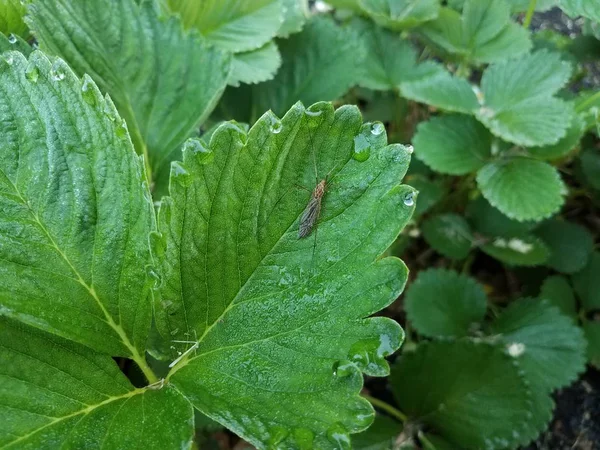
(32, 73)
(409, 199)
(278, 434)
(377, 128)
(9, 59)
(339, 436)
(196, 147)
(154, 275)
(88, 92)
(342, 369)
(410, 149)
(180, 175)
(276, 125)
(121, 130)
(362, 148)
(12, 39)
(304, 438)
(58, 71)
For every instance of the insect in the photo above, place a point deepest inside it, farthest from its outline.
(313, 210)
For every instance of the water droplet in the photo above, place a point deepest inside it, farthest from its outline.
(410, 149)
(276, 125)
(278, 434)
(339, 436)
(311, 113)
(32, 73)
(377, 128)
(409, 199)
(365, 356)
(9, 59)
(486, 113)
(179, 174)
(158, 244)
(516, 349)
(12, 39)
(343, 369)
(122, 131)
(58, 71)
(109, 110)
(362, 148)
(154, 275)
(88, 91)
(304, 438)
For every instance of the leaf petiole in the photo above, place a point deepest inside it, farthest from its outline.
(394, 412)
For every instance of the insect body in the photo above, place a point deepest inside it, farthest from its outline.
(312, 211)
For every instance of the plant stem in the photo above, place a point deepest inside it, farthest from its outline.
(396, 413)
(143, 365)
(588, 102)
(529, 14)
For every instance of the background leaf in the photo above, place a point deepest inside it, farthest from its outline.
(570, 245)
(522, 188)
(77, 210)
(589, 9)
(255, 66)
(587, 283)
(449, 234)
(592, 334)
(56, 393)
(380, 436)
(480, 399)
(164, 81)
(295, 13)
(557, 291)
(11, 18)
(400, 14)
(525, 250)
(453, 144)
(270, 311)
(231, 24)
(444, 303)
(549, 346)
(490, 222)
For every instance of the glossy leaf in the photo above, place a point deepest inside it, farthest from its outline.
(271, 312)
(570, 244)
(319, 63)
(587, 283)
(518, 103)
(164, 81)
(557, 291)
(483, 33)
(445, 303)
(400, 14)
(480, 399)
(76, 210)
(453, 144)
(255, 66)
(449, 234)
(231, 24)
(526, 250)
(11, 17)
(522, 188)
(550, 347)
(58, 394)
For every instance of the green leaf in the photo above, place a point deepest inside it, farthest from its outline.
(255, 66)
(400, 14)
(163, 81)
(522, 188)
(523, 5)
(431, 192)
(549, 346)
(470, 393)
(11, 17)
(319, 63)
(490, 222)
(589, 9)
(587, 283)
(14, 43)
(592, 335)
(448, 234)
(76, 210)
(570, 245)
(295, 13)
(483, 33)
(558, 292)
(564, 146)
(56, 393)
(453, 144)
(434, 85)
(270, 311)
(590, 166)
(518, 251)
(517, 103)
(380, 436)
(445, 303)
(233, 25)
(389, 59)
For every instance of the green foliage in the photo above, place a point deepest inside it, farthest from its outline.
(452, 386)
(444, 303)
(557, 291)
(380, 436)
(58, 393)
(589, 9)
(255, 66)
(592, 334)
(525, 250)
(587, 283)
(11, 17)
(522, 188)
(483, 33)
(449, 234)
(400, 14)
(570, 245)
(549, 346)
(183, 76)
(263, 291)
(490, 222)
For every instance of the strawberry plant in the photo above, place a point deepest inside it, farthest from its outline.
(209, 210)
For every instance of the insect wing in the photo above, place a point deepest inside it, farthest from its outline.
(309, 217)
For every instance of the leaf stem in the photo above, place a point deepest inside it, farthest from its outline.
(589, 101)
(529, 14)
(145, 368)
(396, 413)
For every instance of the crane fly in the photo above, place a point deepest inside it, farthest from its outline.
(312, 211)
